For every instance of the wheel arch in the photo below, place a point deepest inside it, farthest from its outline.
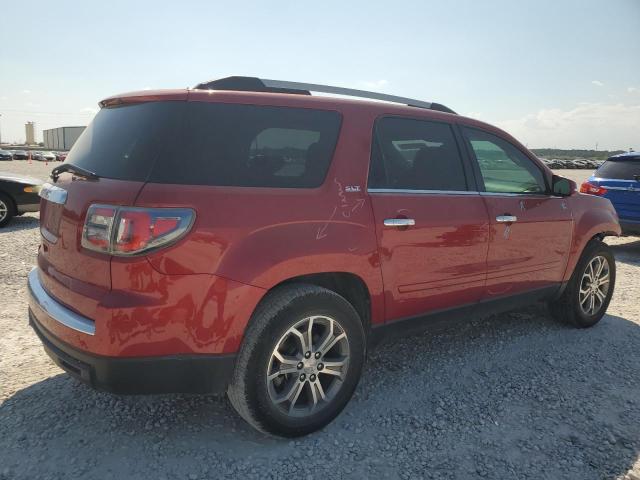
(594, 218)
(348, 285)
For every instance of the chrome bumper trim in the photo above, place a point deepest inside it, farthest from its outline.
(28, 207)
(41, 299)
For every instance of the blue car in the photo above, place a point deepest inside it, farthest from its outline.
(618, 179)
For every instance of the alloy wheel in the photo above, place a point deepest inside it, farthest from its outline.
(308, 366)
(4, 210)
(594, 285)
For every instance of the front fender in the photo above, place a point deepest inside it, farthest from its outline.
(592, 216)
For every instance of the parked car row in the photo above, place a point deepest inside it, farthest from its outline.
(42, 156)
(556, 163)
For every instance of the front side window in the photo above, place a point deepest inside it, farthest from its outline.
(504, 168)
(412, 154)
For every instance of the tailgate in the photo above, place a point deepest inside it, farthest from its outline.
(75, 276)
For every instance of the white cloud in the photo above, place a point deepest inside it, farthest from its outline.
(597, 83)
(612, 125)
(632, 89)
(375, 84)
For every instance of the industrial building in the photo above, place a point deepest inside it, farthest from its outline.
(30, 133)
(61, 138)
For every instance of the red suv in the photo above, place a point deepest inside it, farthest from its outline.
(249, 238)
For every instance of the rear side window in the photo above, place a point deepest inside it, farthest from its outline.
(619, 169)
(410, 154)
(123, 142)
(251, 146)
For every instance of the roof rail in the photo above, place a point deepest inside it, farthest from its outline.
(254, 84)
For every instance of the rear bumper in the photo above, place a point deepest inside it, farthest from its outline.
(127, 375)
(630, 228)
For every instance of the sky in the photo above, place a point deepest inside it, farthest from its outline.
(557, 74)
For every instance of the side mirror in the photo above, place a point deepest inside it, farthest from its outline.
(563, 187)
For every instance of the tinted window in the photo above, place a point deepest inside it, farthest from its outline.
(503, 167)
(619, 169)
(415, 155)
(124, 142)
(251, 146)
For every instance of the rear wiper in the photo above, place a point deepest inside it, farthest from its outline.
(70, 167)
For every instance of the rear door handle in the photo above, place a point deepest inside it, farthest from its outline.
(506, 218)
(399, 222)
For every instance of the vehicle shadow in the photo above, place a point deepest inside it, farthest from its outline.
(23, 222)
(512, 396)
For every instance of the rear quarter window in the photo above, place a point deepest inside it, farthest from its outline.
(251, 146)
(619, 169)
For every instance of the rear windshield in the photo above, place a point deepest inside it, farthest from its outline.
(619, 169)
(201, 143)
(251, 146)
(124, 142)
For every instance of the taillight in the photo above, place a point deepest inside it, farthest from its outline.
(133, 230)
(592, 189)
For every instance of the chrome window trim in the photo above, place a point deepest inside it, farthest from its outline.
(422, 192)
(54, 309)
(510, 194)
(53, 193)
(456, 192)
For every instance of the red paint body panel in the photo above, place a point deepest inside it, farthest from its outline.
(197, 296)
(592, 216)
(441, 262)
(151, 314)
(532, 252)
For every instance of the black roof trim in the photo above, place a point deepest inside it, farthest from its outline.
(254, 84)
(245, 84)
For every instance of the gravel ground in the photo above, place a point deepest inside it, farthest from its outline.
(511, 396)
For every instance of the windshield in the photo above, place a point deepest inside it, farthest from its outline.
(619, 169)
(124, 142)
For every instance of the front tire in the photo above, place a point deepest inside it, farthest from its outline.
(300, 361)
(588, 293)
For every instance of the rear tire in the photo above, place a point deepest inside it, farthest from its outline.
(7, 211)
(300, 361)
(587, 295)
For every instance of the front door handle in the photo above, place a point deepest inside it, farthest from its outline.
(506, 218)
(399, 222)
